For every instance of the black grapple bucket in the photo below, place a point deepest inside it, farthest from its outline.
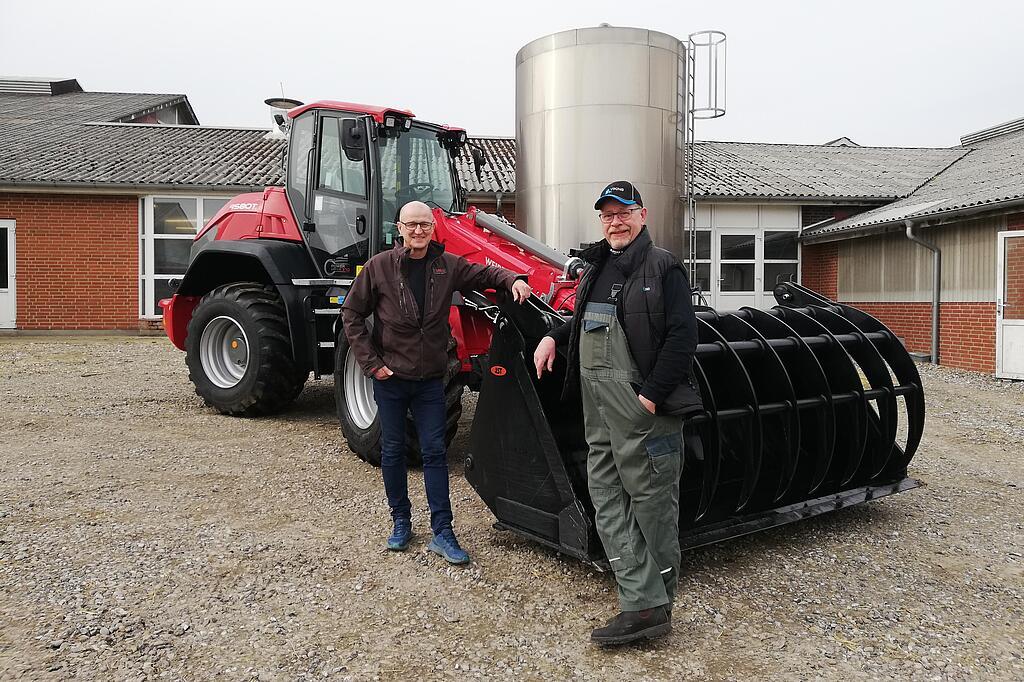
(809, 407)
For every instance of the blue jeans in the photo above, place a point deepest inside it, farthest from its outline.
(425, 399)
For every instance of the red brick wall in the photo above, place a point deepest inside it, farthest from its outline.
(820, 268)
(1015, 221)
(967, 330)
(1014, 275)
(77, 260)
(508, 208)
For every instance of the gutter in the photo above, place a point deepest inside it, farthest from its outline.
(934, 219)
(808, 200)
(936, 285)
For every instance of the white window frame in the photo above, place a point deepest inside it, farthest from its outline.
(710, 262)
(148, 309)
(11, 290)
(767, 295)
(763, 299)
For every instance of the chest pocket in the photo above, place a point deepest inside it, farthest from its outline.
(595, 341)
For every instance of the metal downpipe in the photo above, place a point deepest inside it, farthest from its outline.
(936, 285)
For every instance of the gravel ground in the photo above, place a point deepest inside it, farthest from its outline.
(144, 536)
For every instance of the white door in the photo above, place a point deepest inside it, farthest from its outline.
(1010, 305)
(739, 282)
(7, 293)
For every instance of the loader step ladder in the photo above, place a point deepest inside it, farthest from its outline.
(321, 307)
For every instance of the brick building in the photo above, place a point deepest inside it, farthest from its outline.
(102, 193)
(970, 214)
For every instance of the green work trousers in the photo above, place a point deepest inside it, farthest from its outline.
(633, 466)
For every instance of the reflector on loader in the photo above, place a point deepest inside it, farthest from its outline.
(801, 416)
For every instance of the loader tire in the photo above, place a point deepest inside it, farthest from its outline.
(238, 351)
(357, 410)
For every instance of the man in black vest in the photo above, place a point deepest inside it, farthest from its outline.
(630, 346)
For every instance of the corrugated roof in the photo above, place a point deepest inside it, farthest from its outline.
(54, 140)
(70, 139)
(735, 170)
(988, 174)
(499, 175)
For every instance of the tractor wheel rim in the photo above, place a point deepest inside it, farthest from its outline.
(224, 352)
(362, 408)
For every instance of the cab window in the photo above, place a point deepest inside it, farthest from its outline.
(298, 160)
(339, 173)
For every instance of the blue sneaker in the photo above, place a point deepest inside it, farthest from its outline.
(447, 546)
(401, 535)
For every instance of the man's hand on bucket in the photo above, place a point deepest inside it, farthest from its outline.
(521, 291)
(544, 356)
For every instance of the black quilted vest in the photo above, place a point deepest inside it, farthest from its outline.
(640, 307)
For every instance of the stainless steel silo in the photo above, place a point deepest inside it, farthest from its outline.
(578, 90)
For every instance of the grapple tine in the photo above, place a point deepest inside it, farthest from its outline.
(847, 394)
(881, 423)
(739, 419)
(814, 402)
(903, 367)
(708, 429)
(780, 421)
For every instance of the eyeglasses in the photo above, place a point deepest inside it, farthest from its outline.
(621, 215)
(426, 227)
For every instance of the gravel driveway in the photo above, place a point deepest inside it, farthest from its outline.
(144, 536)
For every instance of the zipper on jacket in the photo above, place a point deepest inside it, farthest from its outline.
(428, 299)
(430, 296)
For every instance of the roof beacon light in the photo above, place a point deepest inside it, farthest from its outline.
(279, 131)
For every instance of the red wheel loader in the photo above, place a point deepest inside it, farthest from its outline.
(802, 403)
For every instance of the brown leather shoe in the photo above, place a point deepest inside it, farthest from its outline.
(630, 626)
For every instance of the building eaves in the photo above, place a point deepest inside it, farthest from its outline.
(985, 179)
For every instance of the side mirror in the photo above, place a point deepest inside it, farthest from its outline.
(352, 139)
(479, 161)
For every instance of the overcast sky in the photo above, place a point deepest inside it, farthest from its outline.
(892, 73)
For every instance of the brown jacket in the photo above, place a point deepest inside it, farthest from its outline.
(398, 340)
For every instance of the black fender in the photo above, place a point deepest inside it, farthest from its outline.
(268, 261)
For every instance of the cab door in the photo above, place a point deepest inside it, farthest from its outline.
(329, 178)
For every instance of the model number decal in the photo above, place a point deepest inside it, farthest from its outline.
(244, 207)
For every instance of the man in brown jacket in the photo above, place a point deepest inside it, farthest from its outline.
(409, 290)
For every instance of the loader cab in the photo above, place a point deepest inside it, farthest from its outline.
(351, 168)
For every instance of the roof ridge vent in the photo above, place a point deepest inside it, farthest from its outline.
(33, 85)
(995, 131)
